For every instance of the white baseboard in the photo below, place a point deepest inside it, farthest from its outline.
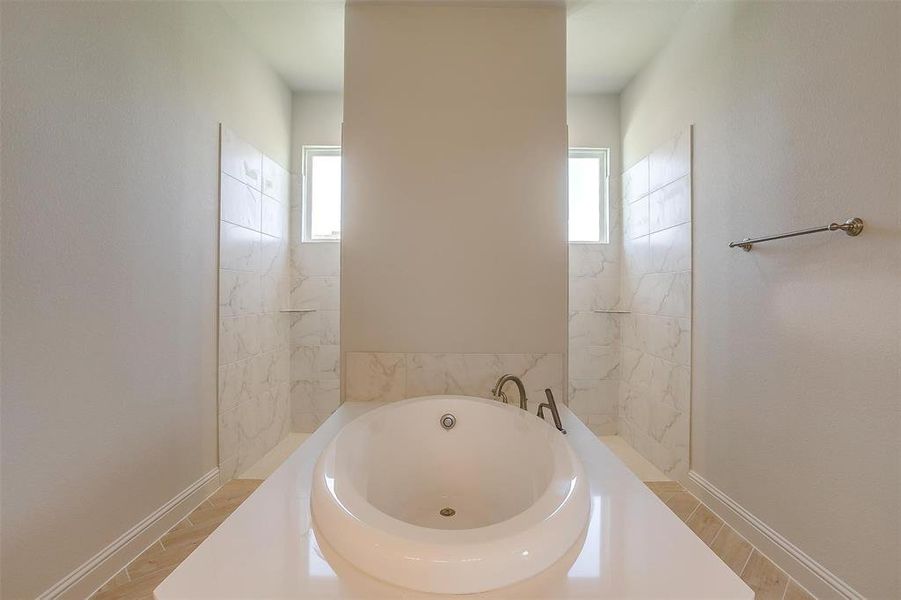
(821, 582)
(96, 571)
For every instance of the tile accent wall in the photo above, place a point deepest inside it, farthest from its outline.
(654, 401)
(594, 338)
(254, 358)
(386, 377)
(314, 337)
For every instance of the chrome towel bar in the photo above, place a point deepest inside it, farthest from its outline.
(851, 227)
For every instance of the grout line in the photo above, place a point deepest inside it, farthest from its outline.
(745, 566)
(722, 524)
(691, 514)
(718, 531)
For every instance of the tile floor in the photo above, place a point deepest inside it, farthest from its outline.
(138, 579)
(143, 574)
(768, 581)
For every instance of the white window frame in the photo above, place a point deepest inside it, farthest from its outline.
(308, 153)
(603, 193)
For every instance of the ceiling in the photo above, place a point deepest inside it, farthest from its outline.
(302, 40)
(608, 41)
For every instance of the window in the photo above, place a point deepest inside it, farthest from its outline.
(321, 193)
(588, 195)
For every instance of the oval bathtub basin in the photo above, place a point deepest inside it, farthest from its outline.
(494, 499)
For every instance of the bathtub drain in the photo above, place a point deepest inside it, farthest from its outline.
(447, 512)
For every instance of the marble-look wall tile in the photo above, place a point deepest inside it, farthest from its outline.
(594, 260)
(375, 376)
(666, 337)
(273, 274)
(637, 218)
(236, 384)
(593, 293)
(593, 396)
(636, 181)
(239, 338)
(428, 374)
(388, 376)
(537, 371)
(599, 362)
(602, 424)
(587, 328)
(240, 159)
(239, 293)
(315, 259)
(328, 362)
(671, 249)
(595, 272)
(654, 397)
(671, 384)
(325, 398)
(314, 363)
(316, 292)
(239, 248)
(239, 203)
(313, 284)
(274, 330)
(636, 257)
(670, 205)
(306, 329)
(271, 221)
(330, 323)
(276, 180)
(670, 161)
(254, 352)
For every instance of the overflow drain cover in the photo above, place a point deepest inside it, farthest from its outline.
(447, 512)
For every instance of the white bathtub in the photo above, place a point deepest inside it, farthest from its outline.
(517, 488)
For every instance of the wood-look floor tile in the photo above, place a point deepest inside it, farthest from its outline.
(683, 504)
(135, 590)
(766, 579)
(207, 514)
(147, 571)
(120, 578)
(235, 491)
(796, 592)
(166, 560)
(188, 536)
(705, 524)
(732, 548)
(664, 489)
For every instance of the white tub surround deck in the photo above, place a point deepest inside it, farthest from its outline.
(632, 546)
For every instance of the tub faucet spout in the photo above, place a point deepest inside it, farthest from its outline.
(550, 404)
(498, 392)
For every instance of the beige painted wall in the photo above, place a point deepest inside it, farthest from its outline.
(454, 235)
(593, 122)
(110, 116)
(316, 120)
(796, 384)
